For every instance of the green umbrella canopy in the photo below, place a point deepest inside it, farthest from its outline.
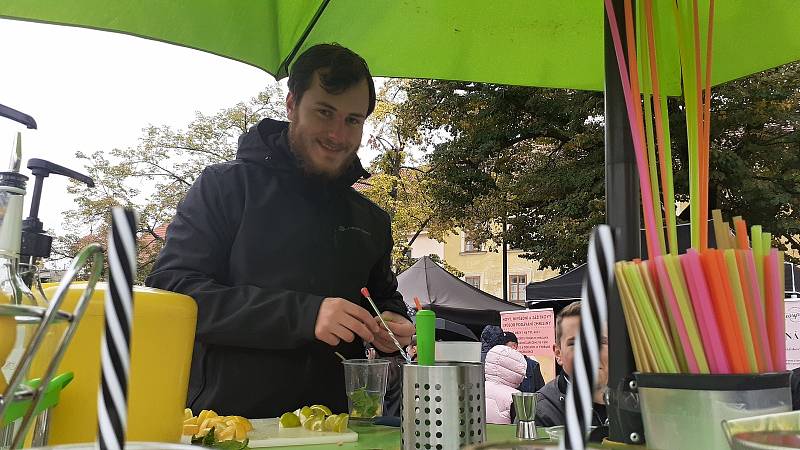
(548, 43)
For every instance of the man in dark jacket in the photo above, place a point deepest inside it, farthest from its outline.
(275, 247)
(550, 399)
(533, 380)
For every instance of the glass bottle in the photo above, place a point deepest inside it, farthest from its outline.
(12, 289)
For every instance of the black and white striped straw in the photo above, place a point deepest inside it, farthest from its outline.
(599, 279)
(112, 400)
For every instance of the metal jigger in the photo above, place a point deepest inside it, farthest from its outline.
(525, 409)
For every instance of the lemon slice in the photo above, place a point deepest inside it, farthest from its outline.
(314, 423)
(289, 420)
(321, 408)
(341, 424)
(331, 422)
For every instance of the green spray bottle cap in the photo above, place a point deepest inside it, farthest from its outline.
(426, 337)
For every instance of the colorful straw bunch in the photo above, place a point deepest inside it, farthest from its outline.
(716, 311)
(647, 109)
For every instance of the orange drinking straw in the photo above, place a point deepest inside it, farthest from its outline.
(729, 300)
(417, 303)
(723, 312)
(742, 239)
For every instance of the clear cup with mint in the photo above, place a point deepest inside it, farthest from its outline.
(365, 385)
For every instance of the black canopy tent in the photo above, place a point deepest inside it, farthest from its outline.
(449, 297)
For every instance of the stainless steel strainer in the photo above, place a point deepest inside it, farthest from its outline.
(443, 406)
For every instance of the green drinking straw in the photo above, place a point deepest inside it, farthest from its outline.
(663, 315)
(652, 162)
(665, 142)
(757, 242)
(665, 359)
(741, 309)
(675, 273)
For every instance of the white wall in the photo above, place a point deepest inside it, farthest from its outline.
(424, 246)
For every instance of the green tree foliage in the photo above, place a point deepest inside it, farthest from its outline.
(534, 157)
(755, 152)
(153, 176)
(400, 184)
(528, 156)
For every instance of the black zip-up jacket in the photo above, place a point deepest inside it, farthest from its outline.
(550, 404)
(259, 245)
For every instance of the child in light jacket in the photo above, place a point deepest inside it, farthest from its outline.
(504, 370)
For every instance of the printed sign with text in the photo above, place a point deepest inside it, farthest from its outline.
(792, 309)
(536, 332)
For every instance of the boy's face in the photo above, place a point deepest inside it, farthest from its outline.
(565, 349)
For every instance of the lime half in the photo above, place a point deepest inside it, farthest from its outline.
(289, 420)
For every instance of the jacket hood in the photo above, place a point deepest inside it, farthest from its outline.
(267, 142)
(504, 365)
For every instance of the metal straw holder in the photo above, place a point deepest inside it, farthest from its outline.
(686, 411)
(443, 406)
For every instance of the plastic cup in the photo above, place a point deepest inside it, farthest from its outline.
(365, 385)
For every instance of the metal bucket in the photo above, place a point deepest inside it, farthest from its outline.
(686, 411)
(443, 406)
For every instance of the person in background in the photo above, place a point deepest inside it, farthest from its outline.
(490, 336)
(504, 370)
(550, 399)
(533, 380)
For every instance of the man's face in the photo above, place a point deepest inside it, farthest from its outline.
(513, 345)
(325, 130)
(565, 348)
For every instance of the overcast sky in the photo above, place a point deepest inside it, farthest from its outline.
(90, 90)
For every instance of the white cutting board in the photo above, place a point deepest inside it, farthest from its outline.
(267, 433)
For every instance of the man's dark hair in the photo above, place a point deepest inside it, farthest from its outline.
(571, 310)
(339, 69)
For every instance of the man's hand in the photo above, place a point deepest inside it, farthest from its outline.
(402, 328)
(342, 320)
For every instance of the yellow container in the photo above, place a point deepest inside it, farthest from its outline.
(161, 353)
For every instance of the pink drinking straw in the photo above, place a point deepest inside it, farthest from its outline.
(701, 303)
(758, 309)
(775, 311)
(653, 247)
(675, 314)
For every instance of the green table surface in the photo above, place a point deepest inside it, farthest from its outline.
(388, 438)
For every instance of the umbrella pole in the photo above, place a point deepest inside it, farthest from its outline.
(623, 214)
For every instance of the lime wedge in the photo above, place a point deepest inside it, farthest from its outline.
(289, 420)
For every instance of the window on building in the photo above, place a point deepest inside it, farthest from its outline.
(474, 280)
(516, 287)
(470, 244)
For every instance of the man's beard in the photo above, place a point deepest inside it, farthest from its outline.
(298, 147)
